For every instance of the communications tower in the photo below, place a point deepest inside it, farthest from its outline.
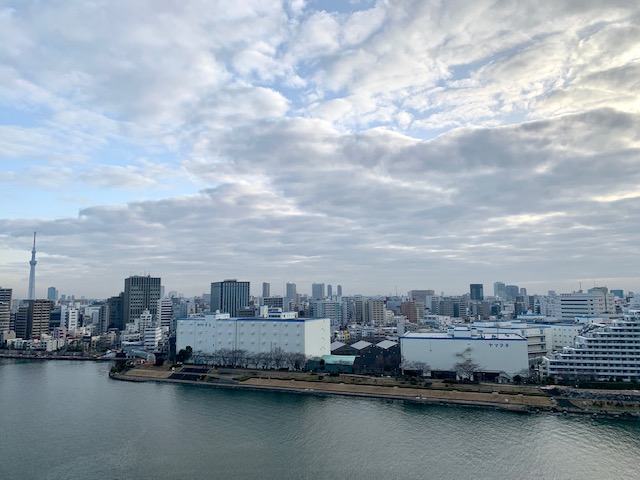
(32, 272)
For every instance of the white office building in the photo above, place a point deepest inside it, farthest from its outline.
(152, 337)
(205, 335)
(601, 352)
(594, 302)
(500, 355)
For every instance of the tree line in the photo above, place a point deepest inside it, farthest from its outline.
(227, 357)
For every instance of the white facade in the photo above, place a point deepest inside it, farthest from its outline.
(501, 353)
(602, 352)
(309, 336)
(564, 335)
(594, 302)
(152, 338)
(164, 312)
(537, 336)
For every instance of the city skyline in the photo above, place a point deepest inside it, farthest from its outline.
(382, 146)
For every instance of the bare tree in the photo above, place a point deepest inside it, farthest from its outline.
(466, 369)
(224, 355)
(278, 357)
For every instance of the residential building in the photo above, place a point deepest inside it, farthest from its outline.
(601, 352)
(5, 309)
(32, 319)
(375, 312)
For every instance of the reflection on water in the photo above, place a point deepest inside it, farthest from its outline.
(68, 420)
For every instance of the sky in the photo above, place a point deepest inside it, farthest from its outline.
(384, 146)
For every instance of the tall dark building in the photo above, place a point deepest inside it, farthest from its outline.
(511, 291)
(317, 291)
(115, 312)
(32, 319)
(5, 309)
(52, 294)
(266, 289)
(476, 291)
(140, 293)
(229, 296)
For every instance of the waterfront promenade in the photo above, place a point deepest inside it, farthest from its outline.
(516, 398)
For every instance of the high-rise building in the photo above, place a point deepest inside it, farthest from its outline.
(32, 271)
(376, 312)
(229, 296)
(329, 291)
(164, 313)
(317, 291)
(32, 319)
(5, 295)
(511, 292)
(413, 310)
(5, 309)
(266, 289)
(140, 293)
(291, 295)
(339, 290)
(115, 312)
(476, 292)
(52, 294)
(498, 290)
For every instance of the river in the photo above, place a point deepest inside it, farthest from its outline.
(68, 420)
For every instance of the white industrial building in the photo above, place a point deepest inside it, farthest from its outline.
(601, 352)
(537, 336)
(205, 335)
(503, 354)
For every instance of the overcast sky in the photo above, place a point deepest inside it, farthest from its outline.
(379, 145)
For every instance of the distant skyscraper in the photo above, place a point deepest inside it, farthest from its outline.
(266, 289)
(291, 294)
(229, 296)
(32, 271)
(140, 293)
(329, 291)
(317, 291)
(498, 290)
(511, 292)
(339, 290)
(52, 294)
(32, 319)
(476, 292)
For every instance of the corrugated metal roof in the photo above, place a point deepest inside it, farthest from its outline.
(386, 344)
(361, 344)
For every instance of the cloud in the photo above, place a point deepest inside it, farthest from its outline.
(411, 144)
(411, 212)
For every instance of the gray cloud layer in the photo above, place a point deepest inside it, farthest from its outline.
(408, 145)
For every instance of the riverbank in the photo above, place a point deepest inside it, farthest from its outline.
(44, 356)
(512, 398)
